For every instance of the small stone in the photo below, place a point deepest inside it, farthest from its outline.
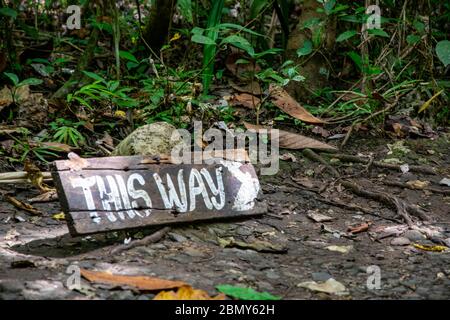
(11, 286)
(176, 237)
(400, 241)
(321, 276)
(413, 235)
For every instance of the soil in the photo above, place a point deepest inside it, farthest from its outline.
(36, 252)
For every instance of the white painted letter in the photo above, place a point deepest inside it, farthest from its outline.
(216, 191)
(136, 194)
(86, 184)
(172, 199)
(194, 191)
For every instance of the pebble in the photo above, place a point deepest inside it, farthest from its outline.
(413, 235)
(321, 276)
(400, 241)
(176, 237)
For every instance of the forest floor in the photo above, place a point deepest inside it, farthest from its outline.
(35, 252)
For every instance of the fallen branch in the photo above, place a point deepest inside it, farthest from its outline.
(407, 186)
(154, 237)
(403, 208)
(21, 177)
(356, 159)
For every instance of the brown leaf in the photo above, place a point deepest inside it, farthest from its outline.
(241, 70)
(294, 141)
(22, 205)
(75, 162)
(143, 283)
(358, 229)
(251, 88)
(34, 174)
(45, 197)
(187, 293)
(285, 102)
(246, 100)
(57, 146)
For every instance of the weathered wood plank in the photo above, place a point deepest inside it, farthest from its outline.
(107, 195)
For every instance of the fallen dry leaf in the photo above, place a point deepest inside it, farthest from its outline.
(318, 217)
(144, 283)
(430, 248)
(187, 293)
(340, 249)
(252, 88)
(75, 162)
(358, 229)
(57, 146)
(285, 102)
(417, 184)
(34, 174)
(59, 216)
(22, 205)
(288, 157)
(45, 197)
(246, 100)
(329, 286)
(289, 140)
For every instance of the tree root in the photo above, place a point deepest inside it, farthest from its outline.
(154, 237)
(403, 209)
(413, 168)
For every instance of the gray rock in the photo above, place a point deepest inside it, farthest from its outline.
(44, 290)
(321, 276)
(11, 286)
(271, 274)
(176, 237)
(152, 139)
(413, 235)
(400, 241)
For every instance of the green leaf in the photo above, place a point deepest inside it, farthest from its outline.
(443, 52)
(14, 78)
(257, 6)
(306, 49)
(346, 35)
(225, 26)
(185, 7)
(245, 293)
(412, 39)
(356, 59)
(328, 6)
(128, 56)
(378, 32)
(198, 38)
(8, 12)
(239, 42)
(94, 76)
(30, 82)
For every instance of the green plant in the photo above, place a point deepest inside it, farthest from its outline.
(67, 132)
(102, 90)
(17, 84)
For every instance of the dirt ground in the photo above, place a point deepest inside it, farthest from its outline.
(35, 252)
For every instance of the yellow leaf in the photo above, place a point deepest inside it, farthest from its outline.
(120, 114)
(59, 216)
(428, 103)
(430, 248)
(175, 37)
(187, 293)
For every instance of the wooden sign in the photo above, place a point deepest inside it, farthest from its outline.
(115, 193)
